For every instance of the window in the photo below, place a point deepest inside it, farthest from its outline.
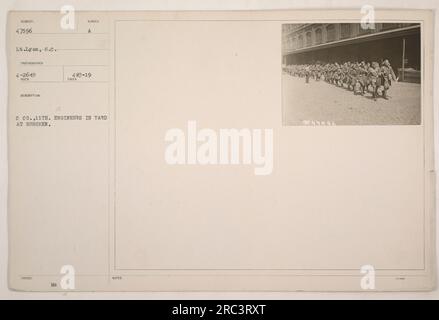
(308, 39)
(300, 44)
(330, 33)
(345, 30)
(319, 38)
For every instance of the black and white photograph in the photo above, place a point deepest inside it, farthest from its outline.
(351, 74)
(219, 158)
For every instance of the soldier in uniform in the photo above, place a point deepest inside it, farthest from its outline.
(307, 74)
(374, 80)
(359, 77)
(387, 75)
(358, 86)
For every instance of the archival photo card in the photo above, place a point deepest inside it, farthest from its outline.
(286, 150)
(351, 73)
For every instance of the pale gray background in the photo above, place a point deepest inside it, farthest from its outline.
(6, 5)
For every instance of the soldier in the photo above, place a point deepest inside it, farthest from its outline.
(306, 73)
(357, 85)
(387, 75)
(362, 76)
(319, 73)
(359, 77)
(374, 80)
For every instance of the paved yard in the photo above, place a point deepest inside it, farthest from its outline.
(320, 101)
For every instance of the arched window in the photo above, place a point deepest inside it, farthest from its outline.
(300, 44)
(319, 38)
(308, 39)
(345, 30)
(330, 32)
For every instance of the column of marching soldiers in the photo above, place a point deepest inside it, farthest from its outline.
(359, 77)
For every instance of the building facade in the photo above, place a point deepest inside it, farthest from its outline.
(400, 43)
